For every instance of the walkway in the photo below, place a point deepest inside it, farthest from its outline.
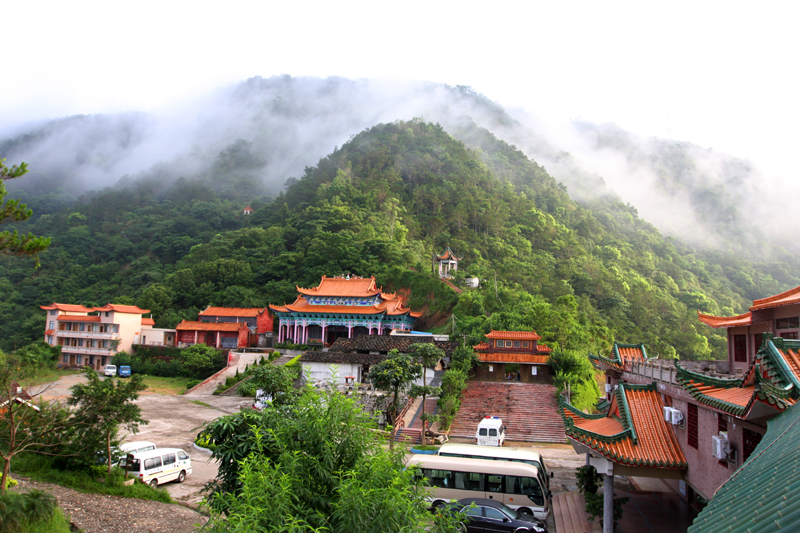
(210, 385)
(529, 411)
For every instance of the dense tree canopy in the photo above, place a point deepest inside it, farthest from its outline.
(382, 205)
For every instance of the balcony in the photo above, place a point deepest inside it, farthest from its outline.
(68, 350)
(86, 335)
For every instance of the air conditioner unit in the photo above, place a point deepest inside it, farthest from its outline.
(675, 417)
(667, 413)
(720, 446)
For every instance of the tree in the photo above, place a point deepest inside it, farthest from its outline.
(105, 405)
(429, 354)
(314, 466)
(198, 359)
(275, 380)
(14, 210)
(395, 374)
(26, 425)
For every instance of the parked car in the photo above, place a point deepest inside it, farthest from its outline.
(490, 515)
(124, 371)
(110, 370)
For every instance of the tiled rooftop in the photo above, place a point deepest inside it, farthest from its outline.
(231, 311)
(792, 296)
(187, 325)
(621, 354)
(67, 308)
(642, 438)
(384, 343)
(132, 309)
(763, 495)
(353, 287)
(513, 335)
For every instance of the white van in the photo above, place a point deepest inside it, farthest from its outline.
(136, 447)
(110, 370)
(159, 466)
(491, 432)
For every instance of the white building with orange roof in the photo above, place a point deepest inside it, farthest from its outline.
(345, 306)
(92, 336)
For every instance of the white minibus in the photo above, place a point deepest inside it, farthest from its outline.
(159, 466)
(490, 432)
(513, 483)
(521, 455)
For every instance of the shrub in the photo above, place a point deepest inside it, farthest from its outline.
(192, 382)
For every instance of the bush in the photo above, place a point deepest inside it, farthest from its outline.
(20, 510)
(192, 382)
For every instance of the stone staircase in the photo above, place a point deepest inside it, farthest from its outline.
(529, 411)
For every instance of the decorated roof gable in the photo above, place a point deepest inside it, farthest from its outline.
(621, 354)
(513, 335)
(633, 431)
(773, 379)
(66, 308)
(231, 311)
(448, 254)
(725, 321)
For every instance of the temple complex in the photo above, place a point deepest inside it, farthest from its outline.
(342, 307)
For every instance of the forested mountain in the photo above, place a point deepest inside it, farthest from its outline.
(581, 275)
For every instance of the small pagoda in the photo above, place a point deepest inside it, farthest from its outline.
(447, 262)
(343, 306)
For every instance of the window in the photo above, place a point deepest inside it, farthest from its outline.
(80, 342)
(494, 483)
(52, 324)
(50, 340)
(82, 327)
(740, 348)
(722, 425)
(787, 323)
(493, 513)
(759, 339)
(482, 432)
(691, 425)
(789, 335)
(182, 456)
(65, 359)
(52, 313)
(474, 511)
(751, 440)
(79, 360)
(154, 462)
(516, 344)
(527, 486)
(493, 432)
(169, 459)
(524, 344)
(499, 344)
(439, 478)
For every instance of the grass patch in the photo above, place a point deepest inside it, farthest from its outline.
(40, 468)
(198, 402)
(48, 375)
(161, 385)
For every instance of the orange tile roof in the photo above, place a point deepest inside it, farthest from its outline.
(77, 318)
(630, 353)
(604, 426)
(69, 308)
(513, 358)
(187, 325)
(792, 296)
(132, 309)
(481, 346)
(353, 287)
(148, 322)
(49, 331)
(231, 311)
(738, 395)
(643, 437)
(725, 321)
(448, 254)
(513, 335)
(792, 358)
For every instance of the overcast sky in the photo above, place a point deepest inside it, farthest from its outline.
(722, 75)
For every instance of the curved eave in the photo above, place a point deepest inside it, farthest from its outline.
(725, 321)
(612, 455)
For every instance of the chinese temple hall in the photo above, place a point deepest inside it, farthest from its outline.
(345, 306)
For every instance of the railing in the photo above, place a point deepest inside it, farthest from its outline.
(658, 372)
(399, 421)
(86, 334)
(66, 350)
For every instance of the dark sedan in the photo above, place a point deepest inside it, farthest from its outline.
(492, 516)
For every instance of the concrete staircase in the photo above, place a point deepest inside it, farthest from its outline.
(529, 411)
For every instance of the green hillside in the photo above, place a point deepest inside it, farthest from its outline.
(382, 204)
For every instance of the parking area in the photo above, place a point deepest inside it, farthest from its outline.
(174, 421)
